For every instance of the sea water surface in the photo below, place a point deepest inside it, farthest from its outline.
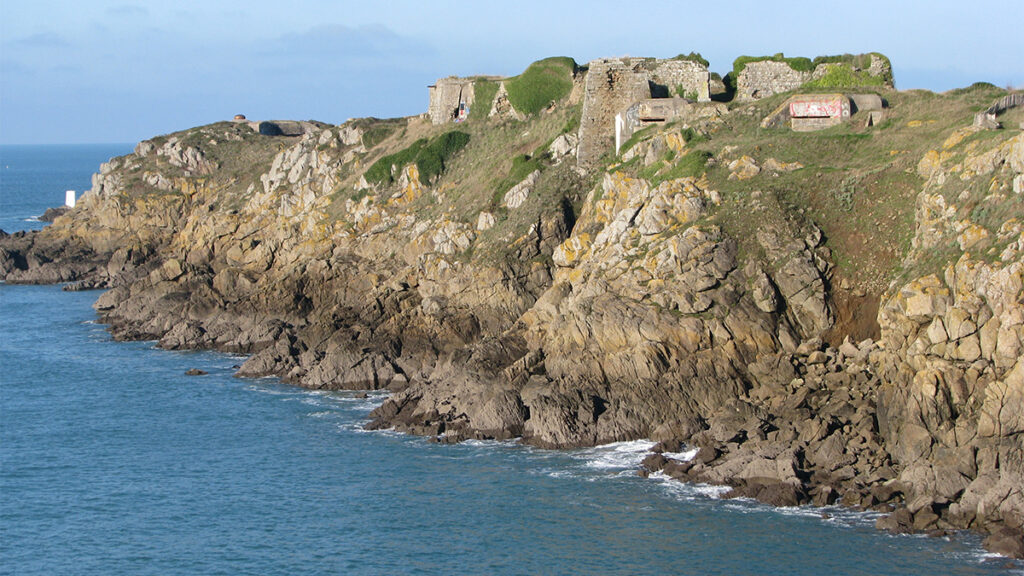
(113, 461)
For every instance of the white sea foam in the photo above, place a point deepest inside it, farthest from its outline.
(490, 445)
(615, 456)
(689, 490)
(358, 427)
(270, 391)
(684, 456)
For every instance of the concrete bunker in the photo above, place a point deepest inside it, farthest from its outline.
(810, 112)
(644, 113)
(816, 112)
(281, 127)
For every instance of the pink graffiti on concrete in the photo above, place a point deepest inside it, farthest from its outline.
(817, 108)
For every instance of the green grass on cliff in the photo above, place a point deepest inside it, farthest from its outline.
(378, 132)
(483, 94)
(498, 154)
(859, 184)
(429, 156)
(241, 156)
(544, 82)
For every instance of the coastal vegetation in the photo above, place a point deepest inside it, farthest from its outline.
(791, 304)
(429, 156)
(542, 84)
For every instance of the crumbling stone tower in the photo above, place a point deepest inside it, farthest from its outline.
(614, 84)
(446, 95)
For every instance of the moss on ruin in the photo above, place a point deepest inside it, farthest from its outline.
(842, 75)
(799, 63)
(693, 57)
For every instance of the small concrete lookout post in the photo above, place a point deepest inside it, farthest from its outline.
(69, 198)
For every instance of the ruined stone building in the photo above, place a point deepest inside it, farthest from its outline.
(643, 113)
(764, 78)
(450, 99)
(987, 118)
(623, 95)
(614, 85)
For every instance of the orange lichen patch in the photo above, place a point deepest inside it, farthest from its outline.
(411, 188)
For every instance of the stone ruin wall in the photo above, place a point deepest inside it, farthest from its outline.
(445, 96)
(693, 78)
(614, 84)
(880, 67)
(608, 88)
(987, 118)
(767, 78)
(611, 86)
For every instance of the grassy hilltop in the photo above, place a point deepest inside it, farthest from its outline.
(828, 316)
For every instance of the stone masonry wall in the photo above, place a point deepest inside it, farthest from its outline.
(766, 78)
(693, 78)
(610, 87)
(445, 96)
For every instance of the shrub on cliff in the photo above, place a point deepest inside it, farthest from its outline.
(544, 82)
(842, 75)
(430, 157)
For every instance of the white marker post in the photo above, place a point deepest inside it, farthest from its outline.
(69, 198)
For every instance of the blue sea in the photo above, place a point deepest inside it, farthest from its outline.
(113, 461)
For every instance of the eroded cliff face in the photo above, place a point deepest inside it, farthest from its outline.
(596, 307)
(951, 403)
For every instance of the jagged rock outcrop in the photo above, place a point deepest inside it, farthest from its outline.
(572, 312)
(952, 361)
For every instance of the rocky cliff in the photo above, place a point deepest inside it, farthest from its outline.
(836, 316)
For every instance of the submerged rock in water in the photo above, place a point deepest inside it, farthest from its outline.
(1006, 541)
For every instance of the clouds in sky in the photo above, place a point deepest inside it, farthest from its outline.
(99, 71)
(127, 11)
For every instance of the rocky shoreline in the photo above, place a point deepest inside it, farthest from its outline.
(599, 306)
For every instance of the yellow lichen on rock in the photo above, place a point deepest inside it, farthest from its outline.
(675, 141)
(568, 253)
(931, 163)
(743, 168)
(972, 237)
(617, 191)
(410, 187)
(958, 136)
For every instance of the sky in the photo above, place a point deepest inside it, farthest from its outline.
(120, 71)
